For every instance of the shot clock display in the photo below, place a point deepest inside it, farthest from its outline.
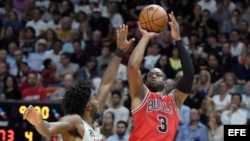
(14, 128)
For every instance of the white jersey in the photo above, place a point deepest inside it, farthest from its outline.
(91, 134)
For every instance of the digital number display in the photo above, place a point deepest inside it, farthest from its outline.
(45, 110)
(14, 128)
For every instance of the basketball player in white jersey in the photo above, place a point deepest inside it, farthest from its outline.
(79, 105)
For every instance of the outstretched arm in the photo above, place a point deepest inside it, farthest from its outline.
(48, 129)
(185, 84)
(110, 73)
(135, 80)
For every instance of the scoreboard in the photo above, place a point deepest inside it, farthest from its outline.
(14, 128)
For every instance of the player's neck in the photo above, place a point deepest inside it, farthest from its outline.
(87, 118)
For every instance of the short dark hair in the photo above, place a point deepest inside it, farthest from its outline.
(47, 62)
(76, 98)
(112, 114)
(236, 94)
(116, 92)
(77, 41)
(123, 122)
(66, 54)
(33, 73)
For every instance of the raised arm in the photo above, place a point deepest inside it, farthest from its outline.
(135, 80)
(48, 129)
(184, 86)
(110, 73)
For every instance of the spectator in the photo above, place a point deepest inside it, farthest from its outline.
(119, 85)
(120, 135)
(210, 5)
(20, 6)
(229, 5)
(169, 85)
(95, 44)
(222, 99)
(204, 83)
(27, 44)
(195, 97)
(164, 65)
(63, 33)
(235, 115)
(214, 69)
(216, 129)
(184, 8)
(19, 58)
(48, 73)
(115, 17)
(8, 35)
(14, 21)
(29, 11)
(35, 59)
(66, 8)
(242, 71)
(212, 46)
(89, 70)
(246, 101)
(36, 23)
(184, 115)
(10, 88)
(3, 73)
(226, 59)
(207, 107)
(237, 47)
(54, 24)
(34, 92)
(232, 23)
(85, 31)
(74, 36)
(56, 93)
(244, 32)
(221, 14)
(105, 56)
(55, 53)
(83, 6)
(23, 75)
(120, 112)
(195, 131)
(97, 22)
(108, 124)
(50, 37)
(153, 54)
(65, 67)
(232, 84)
(79, 55)
(12, 47)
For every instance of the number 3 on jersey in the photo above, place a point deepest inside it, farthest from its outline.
(162, 127)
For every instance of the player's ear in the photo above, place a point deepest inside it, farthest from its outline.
(88, 106)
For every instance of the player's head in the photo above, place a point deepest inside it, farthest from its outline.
(80, 99)
(155, 80)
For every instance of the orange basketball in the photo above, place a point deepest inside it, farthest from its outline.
(153, 18)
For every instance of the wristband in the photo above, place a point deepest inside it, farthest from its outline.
(119, 52)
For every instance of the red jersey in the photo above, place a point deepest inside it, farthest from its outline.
(156, 119)
(36, 93)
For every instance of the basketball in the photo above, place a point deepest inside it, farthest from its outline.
(153, 18)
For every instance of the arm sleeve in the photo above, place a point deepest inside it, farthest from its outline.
(185, 83)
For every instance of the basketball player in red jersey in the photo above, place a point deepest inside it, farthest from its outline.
(156, 116)
(80, 105)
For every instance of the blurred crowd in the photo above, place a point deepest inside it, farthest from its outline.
(47, 45)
